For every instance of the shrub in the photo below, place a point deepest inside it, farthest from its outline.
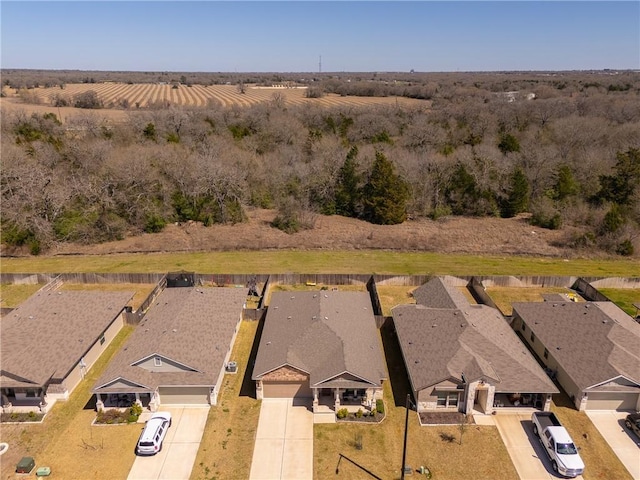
(359, 413)
(380, 406)
(154, 224)
(136, 409)
(625, 248)
(342, 413)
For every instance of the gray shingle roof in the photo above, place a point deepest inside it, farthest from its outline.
(441, 344)
(47, 335)
(323, 333)
(592, 341)
(440, 293)
(191, 326)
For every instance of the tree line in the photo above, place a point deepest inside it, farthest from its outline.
(568, 159)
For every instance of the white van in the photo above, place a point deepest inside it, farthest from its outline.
(153, 433)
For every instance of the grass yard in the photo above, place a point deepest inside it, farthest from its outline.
(12, 295)
(226, 448)
(142, 289)
(600, 462)
(505, 296)
(392, 295)
(481, 455)
(67, 442)
(321, 261)
(624, 298)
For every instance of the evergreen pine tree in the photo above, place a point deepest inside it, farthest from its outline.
(385, 194)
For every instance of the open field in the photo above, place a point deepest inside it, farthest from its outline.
(143, 95)
(67, 442)
(319, 261)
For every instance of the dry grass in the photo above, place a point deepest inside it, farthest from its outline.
(142, 289)
(392, 295)
(67, 442)
(12, 295)
(600, 462)
(505, 296)
(226, 448)
(624, 298)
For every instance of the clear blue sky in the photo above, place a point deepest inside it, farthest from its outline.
(272, 36)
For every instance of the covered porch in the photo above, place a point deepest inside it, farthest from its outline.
(21, 399)
(353, 399)
(123, 400)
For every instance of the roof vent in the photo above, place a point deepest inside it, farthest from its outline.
(558, 348)
(289, 317)
(326, 318)
(292, 297)
(603, 321)
(417, 361)
(555, 304)
(434, 325)
(268, 343)
(174, 330)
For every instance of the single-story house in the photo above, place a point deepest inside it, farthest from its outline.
(51, 341)
(591, 348)
(178, 353)
(320, 345)
(464, 357)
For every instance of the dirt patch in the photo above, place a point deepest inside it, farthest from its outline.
(497, 236)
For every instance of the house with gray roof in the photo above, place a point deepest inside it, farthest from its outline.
(320, 345)
(50, 342)
(464, 357)
(178, 353)
(591, 348)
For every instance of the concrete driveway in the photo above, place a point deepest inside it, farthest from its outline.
(525, 450)
(284, 441)
(625, 444)
(179, 448)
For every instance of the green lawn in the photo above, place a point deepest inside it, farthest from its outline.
(12, 295)
(320, 261)
(624, 298)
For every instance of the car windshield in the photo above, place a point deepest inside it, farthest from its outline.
(566, 449)
(146, 444)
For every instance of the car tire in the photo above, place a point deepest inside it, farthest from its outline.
(554, 466)
(535, 430)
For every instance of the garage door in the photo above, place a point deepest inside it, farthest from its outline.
(611, 401)
(184, 395)
(286, 389)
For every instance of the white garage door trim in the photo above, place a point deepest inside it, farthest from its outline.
(612, 400)
(184, 395)
(282, 389)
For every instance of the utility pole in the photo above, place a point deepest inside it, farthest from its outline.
(320, 65)
(406, 429)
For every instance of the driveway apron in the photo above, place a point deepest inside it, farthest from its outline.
(624, 444)
(179, 448)
(284, 441)
(525, 450)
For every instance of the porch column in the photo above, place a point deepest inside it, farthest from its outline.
(138, 402)
(315, 399)
(337, 399)
(99, 402)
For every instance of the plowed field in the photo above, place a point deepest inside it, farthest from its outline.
(144, 94)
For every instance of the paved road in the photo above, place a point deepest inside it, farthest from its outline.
(179, 448)
(525, 450)
(284, 442)
(624, 444)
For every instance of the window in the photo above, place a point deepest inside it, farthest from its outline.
(533, 337)
(157, 361)
(546, 353)
(102, 340)
(31, 393)
(447, 399)
(524, 327)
